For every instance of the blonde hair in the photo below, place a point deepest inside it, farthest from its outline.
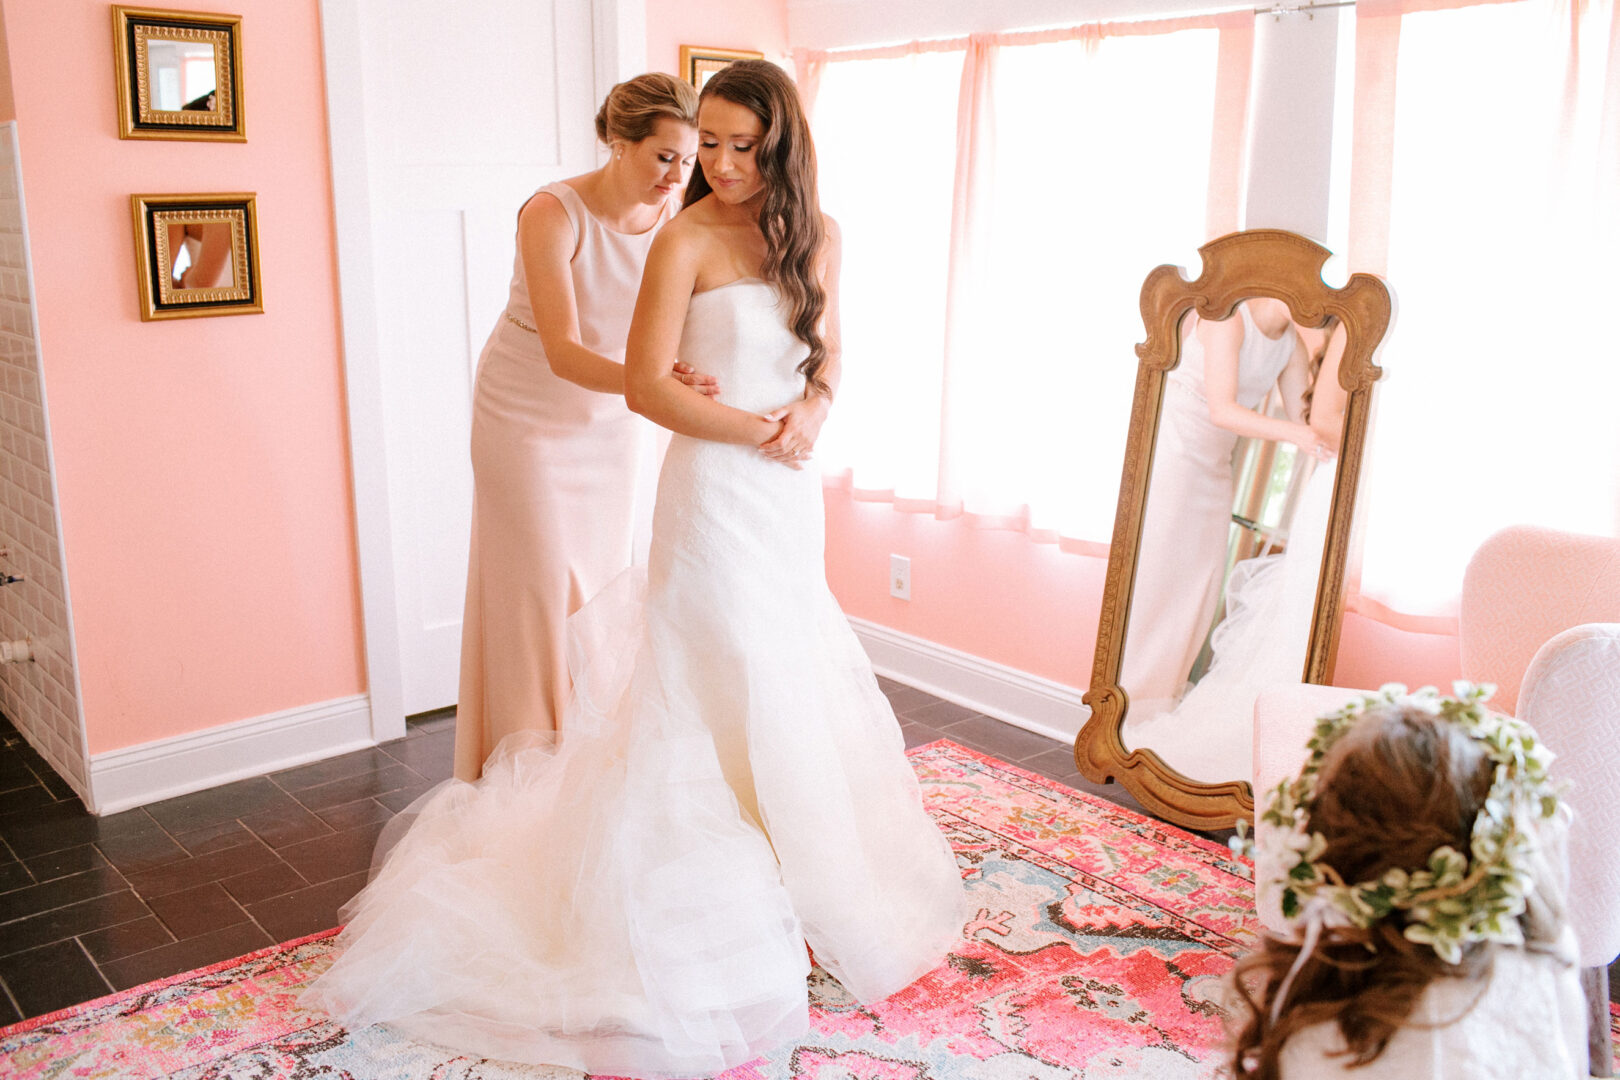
(1395, 787)
(633, 108)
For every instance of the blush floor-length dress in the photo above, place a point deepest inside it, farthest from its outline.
(1182, 555)
(728, 784)
(555, 469)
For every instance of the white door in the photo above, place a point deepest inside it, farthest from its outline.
(446, 115)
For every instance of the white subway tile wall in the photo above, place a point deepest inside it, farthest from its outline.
(40, 697)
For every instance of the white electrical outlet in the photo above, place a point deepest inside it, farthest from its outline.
(900, 577)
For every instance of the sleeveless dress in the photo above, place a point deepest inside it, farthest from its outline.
(1182, 555)
(555, 470)
(728, 784)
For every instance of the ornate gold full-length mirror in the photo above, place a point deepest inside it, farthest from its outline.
(1234, 523)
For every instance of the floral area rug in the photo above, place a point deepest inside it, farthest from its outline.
(1096, 948)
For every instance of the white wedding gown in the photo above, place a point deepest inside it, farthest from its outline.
(729, 784)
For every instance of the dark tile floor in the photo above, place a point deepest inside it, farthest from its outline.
(91, 905)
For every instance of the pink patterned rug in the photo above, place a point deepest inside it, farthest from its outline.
(1097, 950)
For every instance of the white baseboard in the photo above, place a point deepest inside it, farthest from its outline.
(137, 775)
(1028, 701)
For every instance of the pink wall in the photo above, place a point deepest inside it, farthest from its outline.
(8, 105)
(202, 463)
(760, 25)
(993, 593)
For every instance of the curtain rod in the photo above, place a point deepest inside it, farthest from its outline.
(1277, 11)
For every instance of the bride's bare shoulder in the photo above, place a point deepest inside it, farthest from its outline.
(689, 232)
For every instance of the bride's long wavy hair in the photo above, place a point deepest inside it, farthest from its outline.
(790, 212)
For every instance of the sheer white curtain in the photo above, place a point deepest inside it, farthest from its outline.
(1001, 200)
(886, 148)
(1102, 172)
(1503, 364)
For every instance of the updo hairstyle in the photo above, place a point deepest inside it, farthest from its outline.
(634, 107)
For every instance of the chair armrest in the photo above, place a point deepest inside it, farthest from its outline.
(1571, 696)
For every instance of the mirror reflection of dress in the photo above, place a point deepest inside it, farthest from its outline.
(1261, 640)
(1270, 599)
(1186, 524)
(731, 784)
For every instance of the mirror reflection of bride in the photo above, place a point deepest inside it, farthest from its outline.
(1211, 399)
(1270, 599)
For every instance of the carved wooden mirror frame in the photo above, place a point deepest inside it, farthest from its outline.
(1259, 262)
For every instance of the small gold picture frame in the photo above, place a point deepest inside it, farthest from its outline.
(179, 74)
(196, 255)
(698, 62)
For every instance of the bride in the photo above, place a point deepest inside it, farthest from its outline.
(729, 784)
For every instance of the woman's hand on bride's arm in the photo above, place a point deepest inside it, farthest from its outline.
(1310, 441)
(707, 385)
(800, 428)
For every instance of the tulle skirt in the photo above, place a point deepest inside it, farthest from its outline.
(1261, 641)
(634, 896)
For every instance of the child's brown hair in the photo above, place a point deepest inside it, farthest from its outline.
(1397, 785)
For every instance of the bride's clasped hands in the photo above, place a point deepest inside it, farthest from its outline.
(800, 426)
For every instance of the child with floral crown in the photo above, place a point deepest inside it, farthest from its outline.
(1421, 867)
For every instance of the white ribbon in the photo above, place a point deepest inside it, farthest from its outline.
(1315, 916)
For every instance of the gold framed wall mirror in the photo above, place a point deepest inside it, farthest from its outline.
(1235, 521)
(179, 74)
(699, 62)
(196, 255)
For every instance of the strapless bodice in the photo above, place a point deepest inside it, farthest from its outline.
(738, 333)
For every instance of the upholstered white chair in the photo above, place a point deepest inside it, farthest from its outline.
(1528, 594)
(1571, 696)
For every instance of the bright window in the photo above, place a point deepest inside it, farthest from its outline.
(1097, 171)
(1498, 401)
(886, 149)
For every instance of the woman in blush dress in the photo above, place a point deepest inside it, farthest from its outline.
(729, 784)
(555, 453)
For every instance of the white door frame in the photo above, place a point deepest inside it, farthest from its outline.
(619, 38)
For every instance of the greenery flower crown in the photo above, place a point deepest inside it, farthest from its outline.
(1454, 899)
